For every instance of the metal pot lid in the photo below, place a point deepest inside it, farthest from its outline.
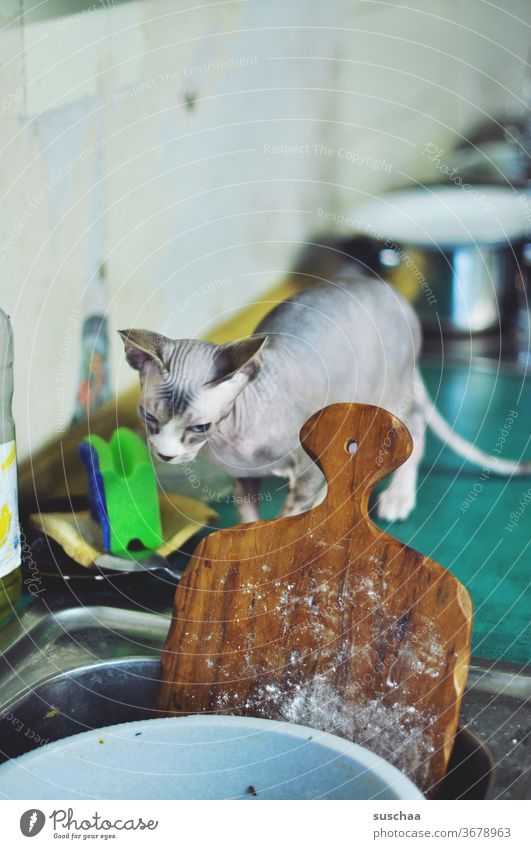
(435, 216)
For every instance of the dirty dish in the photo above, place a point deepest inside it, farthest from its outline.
(203, 757)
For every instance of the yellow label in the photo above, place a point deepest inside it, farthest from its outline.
(9, 528)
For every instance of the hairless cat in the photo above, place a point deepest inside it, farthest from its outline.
(353, 339)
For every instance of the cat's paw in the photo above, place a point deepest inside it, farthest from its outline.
(395, 504)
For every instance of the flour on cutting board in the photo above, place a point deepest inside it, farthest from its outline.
(401, 734)
(388, 722)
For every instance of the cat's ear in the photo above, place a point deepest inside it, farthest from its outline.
(143, 347)
(235, 365)
(242, 358)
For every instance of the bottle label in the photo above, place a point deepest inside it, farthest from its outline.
(9, 527)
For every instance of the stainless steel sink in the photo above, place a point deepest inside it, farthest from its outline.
(88, 667)
(79, 668)
(42, 644)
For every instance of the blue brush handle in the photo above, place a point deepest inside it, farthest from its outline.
(96, 491)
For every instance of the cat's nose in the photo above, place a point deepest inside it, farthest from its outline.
(165, 457)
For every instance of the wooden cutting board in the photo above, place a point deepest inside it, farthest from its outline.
(325, 620)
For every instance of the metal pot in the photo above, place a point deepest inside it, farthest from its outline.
(457, 257)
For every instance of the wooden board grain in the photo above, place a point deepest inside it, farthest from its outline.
(323, 618)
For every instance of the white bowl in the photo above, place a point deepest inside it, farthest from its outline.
(203, 757)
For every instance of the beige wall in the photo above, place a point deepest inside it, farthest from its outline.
(193, 209)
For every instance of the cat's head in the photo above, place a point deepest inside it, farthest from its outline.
(187, 387)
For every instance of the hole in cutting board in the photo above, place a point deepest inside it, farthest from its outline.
(351, 446)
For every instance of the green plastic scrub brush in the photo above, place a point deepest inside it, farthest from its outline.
(123, 492)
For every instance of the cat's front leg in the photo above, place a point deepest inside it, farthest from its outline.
(400, 497)
(246, 492)
(304, 487)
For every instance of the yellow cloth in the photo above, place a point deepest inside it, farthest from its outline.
(81, 538)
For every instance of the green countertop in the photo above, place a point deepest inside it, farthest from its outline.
(475, 524)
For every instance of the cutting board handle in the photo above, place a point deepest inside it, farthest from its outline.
(355, 446)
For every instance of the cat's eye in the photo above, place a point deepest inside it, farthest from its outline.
(148, 417)
(200, 428)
